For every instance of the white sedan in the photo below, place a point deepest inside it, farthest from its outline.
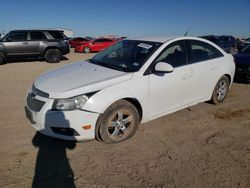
(133, 81)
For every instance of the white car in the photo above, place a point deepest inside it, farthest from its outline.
(133, 81)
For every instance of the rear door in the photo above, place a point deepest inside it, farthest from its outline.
(97, 45)
(205, 61)
(107, 43)
(36, 38)
(16, 43)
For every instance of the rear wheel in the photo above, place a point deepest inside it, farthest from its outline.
(86, 50)
(53, 55)
(119, 122)
(220, 90)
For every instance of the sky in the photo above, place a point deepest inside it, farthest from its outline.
(129, 17)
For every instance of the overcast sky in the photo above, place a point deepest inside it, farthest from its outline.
(129, 17)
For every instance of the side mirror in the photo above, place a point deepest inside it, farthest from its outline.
(163, 67)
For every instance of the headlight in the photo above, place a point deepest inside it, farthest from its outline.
(71, 103)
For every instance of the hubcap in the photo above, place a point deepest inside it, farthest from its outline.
(86, 50)
(120, 124)
(53, 56)
(221, 90)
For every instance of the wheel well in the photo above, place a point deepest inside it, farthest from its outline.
(137, 105)
(51, 47)
(229, 78)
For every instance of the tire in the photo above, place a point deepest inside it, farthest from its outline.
(53, 55)
(86, 50)
(118, 123)
(220, 90)
(1, 59)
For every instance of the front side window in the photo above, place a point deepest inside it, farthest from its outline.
(173, 54)
(126, 55)
(18, 36)
(201, 51)
(37, 35)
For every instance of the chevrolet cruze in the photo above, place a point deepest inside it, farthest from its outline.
(133, 81)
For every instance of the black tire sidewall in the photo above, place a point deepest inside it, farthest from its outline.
(50, 52)
(101, 129)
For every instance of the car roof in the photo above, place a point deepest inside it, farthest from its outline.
(36, 30)
(161, 39)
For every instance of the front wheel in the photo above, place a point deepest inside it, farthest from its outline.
(220, 90)
(119, 122)
(53, 55)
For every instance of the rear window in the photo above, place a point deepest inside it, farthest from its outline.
(57, 34)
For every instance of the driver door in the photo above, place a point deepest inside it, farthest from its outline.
(16, 43)
(169, 92)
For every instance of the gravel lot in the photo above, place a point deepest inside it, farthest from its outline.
(202, 146)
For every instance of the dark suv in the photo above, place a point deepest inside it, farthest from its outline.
(227, 43)
(50, 44)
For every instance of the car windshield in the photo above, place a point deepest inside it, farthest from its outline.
(246, 49)
(126, 55)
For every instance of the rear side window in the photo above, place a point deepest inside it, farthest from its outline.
(57, 34)
(201, 51)
(18, 36)
(37, 35)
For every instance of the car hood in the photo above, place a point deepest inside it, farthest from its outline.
(242, 58)
(78, 78)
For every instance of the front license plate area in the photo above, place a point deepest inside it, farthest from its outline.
(29, 115)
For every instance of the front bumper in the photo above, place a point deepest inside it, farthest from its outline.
(67, 125)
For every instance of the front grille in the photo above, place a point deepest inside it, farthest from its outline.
(34, 104)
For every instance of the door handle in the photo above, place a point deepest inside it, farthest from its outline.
(44, 42)
(25, 43)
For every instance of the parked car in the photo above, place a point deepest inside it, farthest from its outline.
(94, 45)
(50, 44)
(242, 61)
(132, 82)
(243, 44)
(75, 41)
(227, 43)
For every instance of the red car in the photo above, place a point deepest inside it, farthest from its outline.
(75, 41)
(94, 45)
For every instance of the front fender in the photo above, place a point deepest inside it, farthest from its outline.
(134, 88)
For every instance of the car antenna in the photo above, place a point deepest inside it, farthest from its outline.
(187, 31)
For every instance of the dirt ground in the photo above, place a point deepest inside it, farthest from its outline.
(202, 146)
